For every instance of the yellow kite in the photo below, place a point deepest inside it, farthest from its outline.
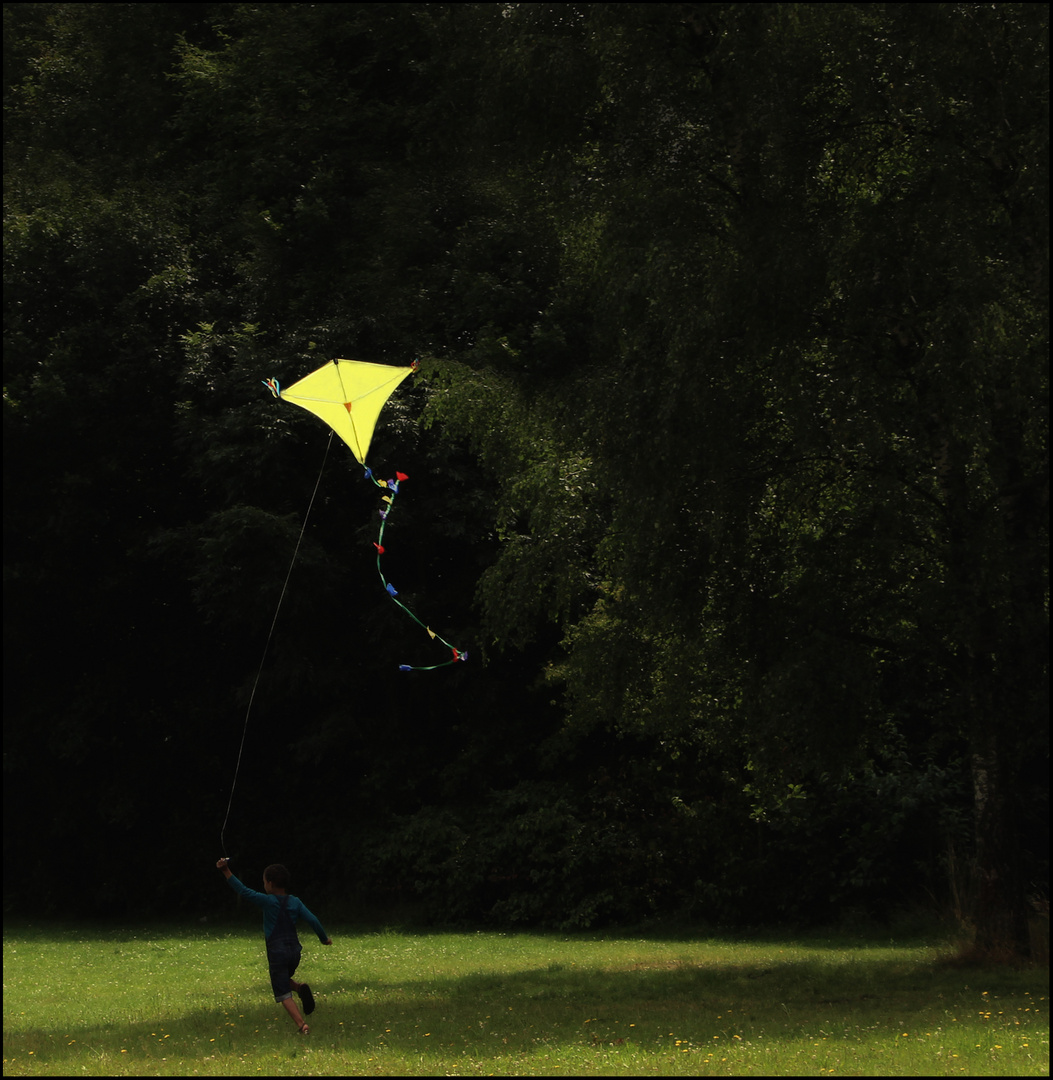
(348, 395)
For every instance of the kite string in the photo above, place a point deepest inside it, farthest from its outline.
(267, 645)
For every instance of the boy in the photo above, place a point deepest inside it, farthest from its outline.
(280, 915)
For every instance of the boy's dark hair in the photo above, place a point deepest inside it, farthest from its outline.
(277, 875)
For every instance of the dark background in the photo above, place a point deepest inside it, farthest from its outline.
(727, 459)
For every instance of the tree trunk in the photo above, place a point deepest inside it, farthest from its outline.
(1001, 912)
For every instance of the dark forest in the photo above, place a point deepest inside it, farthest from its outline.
(727, 460)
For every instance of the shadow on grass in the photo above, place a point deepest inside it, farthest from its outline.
(495, 1015)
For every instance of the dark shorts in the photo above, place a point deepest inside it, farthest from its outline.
(282, 960)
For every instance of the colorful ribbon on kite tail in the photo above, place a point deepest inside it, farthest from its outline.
(392, 486)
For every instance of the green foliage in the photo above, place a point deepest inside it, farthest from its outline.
(728, 449)
(816, 306)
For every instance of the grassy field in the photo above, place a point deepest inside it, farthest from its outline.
(196, 1001)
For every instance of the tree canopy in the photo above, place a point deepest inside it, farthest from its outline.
(727, 453)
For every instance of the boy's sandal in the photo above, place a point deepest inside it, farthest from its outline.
(304, 1029)
(307, 998)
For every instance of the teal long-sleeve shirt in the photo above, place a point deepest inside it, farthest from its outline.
(271, 905)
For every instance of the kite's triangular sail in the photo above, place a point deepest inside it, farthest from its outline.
(348, 395)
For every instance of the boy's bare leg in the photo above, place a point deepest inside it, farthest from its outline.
(293, 1011)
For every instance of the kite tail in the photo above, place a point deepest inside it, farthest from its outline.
(392, 486)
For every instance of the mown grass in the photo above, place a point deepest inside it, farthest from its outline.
(196, 1001)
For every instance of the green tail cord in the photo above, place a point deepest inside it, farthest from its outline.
(392, 487)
